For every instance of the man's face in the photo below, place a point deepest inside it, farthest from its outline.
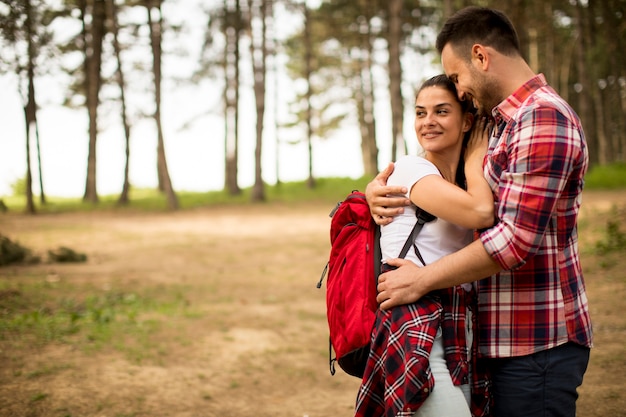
(471, 82)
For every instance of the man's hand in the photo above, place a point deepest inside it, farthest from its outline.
(382, 207)
(409, 282)
(400, 286)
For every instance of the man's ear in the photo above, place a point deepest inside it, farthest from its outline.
(480, 56)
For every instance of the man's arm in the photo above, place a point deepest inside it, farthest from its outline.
(410, 282)
(382, 207)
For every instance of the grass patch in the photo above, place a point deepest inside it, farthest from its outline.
(46, 370)
(40, 396)
(327, 190)
(606, 177)
(150, 200)
(37, 313)
(614, 239)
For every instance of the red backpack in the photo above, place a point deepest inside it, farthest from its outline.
(353, 268)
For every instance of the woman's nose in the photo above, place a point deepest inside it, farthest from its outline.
(429, 119)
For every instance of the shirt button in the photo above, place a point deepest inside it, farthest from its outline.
(425, 389)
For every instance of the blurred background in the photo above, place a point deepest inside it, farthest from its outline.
(218, 104)
(102, 96)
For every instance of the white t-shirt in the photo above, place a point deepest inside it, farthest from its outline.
(437, 238)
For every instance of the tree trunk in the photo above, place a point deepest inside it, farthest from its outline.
(33, 118)
(447, 8)
(30, 204)
(615, 54)
(258, 52)
(232, 30)
(124, 198)
(549, 65)
(156, 28)
(42, 194)
(364, 97)
(274, 55)
(395, 75)
(308, 58)
(30, 112)
(585, 96)
(565, 69)
(93, 80)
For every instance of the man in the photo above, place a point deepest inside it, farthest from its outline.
(534, 329)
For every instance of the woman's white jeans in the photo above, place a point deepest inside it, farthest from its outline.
(446, 399)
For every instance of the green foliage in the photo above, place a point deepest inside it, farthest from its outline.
(12, 252)
(65, 254)
(606, 177)
(18, 187)
(614, 239)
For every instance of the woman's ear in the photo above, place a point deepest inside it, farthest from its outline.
(468, 121)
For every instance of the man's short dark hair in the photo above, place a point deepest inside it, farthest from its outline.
(482, 25)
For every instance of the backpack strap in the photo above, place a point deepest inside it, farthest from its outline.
(422, 218)
(377, 251)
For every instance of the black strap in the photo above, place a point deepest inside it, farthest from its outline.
(422, 218)
(377, 252)
(411, 239)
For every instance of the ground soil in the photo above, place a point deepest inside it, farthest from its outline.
(253, 339)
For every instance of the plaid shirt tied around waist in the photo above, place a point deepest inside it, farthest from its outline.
(397, 377)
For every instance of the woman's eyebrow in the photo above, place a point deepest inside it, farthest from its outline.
(417, 106)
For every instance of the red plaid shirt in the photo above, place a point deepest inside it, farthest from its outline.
(397, 377)
(535, 166)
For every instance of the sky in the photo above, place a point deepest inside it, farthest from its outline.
(195, 153)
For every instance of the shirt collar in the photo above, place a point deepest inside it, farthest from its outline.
(509, 106)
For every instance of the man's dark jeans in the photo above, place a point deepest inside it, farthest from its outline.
(539, 385)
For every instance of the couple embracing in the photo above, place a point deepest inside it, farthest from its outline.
(495, 321)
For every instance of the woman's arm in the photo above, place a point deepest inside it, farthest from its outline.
(472, 208)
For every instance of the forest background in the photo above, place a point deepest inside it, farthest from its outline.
(145, 133)
(210, 95)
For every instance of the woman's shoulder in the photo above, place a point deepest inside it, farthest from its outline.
(413, 162)
(410, 169)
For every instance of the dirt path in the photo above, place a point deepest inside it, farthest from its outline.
(252, 340)
(257, 344)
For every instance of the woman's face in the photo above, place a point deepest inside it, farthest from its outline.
(439, 120)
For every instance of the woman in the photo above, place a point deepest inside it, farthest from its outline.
(419, 362)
